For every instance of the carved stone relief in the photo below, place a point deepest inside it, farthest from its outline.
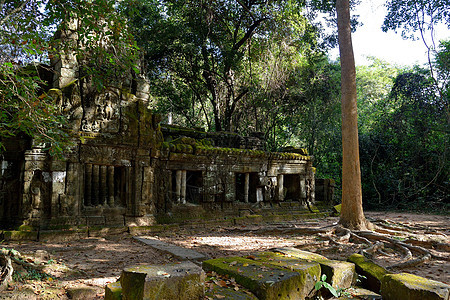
(103, 117)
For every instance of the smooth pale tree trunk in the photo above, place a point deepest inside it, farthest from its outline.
(352, 215)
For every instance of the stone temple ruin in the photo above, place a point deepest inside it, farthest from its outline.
(126, 168)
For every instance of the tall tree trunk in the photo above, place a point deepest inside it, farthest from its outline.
(352, 215)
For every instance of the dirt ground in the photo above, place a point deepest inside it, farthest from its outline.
(80, 269)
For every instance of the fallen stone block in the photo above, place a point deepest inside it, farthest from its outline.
(269, 280)
(339, 274)
(371, 272)
(337, 210)
(411, 287)
(113, 291)
(177, 281)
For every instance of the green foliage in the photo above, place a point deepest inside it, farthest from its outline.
(404, 145)
(415, 15)
(28, 42)
(32, 274)
(322, 283)
(204, 57)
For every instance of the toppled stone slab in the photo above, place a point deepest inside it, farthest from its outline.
(177, 281)
(295, 280)
(359, 293)
(176, 251)
(371, 272)
(339, 274)
(411, 287)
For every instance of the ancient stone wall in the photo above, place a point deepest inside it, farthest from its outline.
(124, 169)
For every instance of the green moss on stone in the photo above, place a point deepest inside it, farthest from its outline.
(339, 274)
(266, 280)
(25, 228)
(409, 286)
(113, 291)
(373, 272)
(20, 235)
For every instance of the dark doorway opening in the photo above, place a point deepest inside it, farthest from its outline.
(292, 187)
(194, 187)
(240, 187)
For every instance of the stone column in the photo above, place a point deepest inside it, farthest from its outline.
(127, 194)
(183, 186)
(87, 185)
(246, 186)
(229, 187)
(280, 179)
(259, 195)
(110, 179)
(103, 185)
(178, 185)
(303, 189)
(95, 184)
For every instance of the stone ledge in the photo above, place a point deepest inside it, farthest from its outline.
(407, 286)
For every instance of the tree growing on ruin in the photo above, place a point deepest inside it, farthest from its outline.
(27, 45)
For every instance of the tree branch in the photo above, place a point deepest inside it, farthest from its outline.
(12, 12)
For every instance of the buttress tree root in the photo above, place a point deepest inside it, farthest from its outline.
(10, 258)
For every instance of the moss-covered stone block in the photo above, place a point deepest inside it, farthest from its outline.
(337, 209)
(178, 281)
(373, 273)
(294, 264)
(340, 274)
(411, 287)
(267, 280)
(25, 228)
(113, 291)
(20, 235)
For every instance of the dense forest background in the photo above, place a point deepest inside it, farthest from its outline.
(251, 67)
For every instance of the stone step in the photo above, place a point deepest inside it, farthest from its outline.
(268, 279)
